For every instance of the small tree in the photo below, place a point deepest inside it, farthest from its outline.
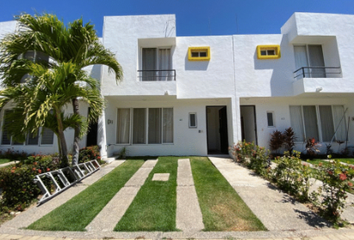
(276, 140)
(289, 140)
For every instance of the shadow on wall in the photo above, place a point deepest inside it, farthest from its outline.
(96, 72)
(281, 82)
(195, 65)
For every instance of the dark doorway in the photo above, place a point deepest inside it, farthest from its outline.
(248, 123)
(217, 134)
(91, 139)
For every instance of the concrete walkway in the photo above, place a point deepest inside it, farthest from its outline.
(111, 214)
(9, 163)
(276, 210)
(189, 217)
(33, 214)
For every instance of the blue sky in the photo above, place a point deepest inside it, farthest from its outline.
(194, 17)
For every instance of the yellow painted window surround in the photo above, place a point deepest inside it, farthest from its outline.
(268, 51)
(199, 53)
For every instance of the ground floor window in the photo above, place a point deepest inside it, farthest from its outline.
(44, 136)
(324, 122)
(144, 125)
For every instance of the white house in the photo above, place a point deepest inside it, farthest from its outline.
(199, 95)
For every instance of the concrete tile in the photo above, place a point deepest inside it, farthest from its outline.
(13, 237)
(188, 216)
(161, 177)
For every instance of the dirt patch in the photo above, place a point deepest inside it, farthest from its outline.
(233, 222)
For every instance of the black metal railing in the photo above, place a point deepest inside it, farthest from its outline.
(318, 72)
(157, 75)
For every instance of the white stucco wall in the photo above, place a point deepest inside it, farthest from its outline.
(121, 35)
(187, 141)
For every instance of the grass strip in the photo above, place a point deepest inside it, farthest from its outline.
(79, 211)
(222, 207)
(154, 207)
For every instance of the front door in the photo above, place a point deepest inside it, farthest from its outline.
(217, 134)
(248, 124)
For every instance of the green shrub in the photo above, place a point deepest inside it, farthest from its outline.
(242, 151)
(336, 182)
(17, 181)
(89, 153)
(259, 161)
(292, 176)
(13, 155)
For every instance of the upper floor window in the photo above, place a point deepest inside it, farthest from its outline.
(199, 53)
(310, 59)
(34, 56)
(268, 51)
(157, 65)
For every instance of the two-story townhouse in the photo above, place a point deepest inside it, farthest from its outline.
(305, 82)
(199, 95)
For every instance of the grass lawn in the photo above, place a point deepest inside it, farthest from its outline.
(154, 207)
(222, 208)
(4, 161)
(344, 160)
(78, 212)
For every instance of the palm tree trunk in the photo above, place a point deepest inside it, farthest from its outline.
(76, 147)
(63, 151)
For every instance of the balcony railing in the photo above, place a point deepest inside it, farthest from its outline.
(318, 72)
(157, 75)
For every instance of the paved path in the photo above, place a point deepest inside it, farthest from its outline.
(9, 163)
(276, 210)
(189, 216)
(111, 214)
(33, 214)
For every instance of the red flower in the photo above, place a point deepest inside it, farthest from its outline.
(12, 171)
(330, 172)
(34, 169)
(342, 176)
(350, 184)
(98, 157)
(35, 163)
(48, 169)
(39, 171)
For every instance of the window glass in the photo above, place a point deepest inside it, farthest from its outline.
(139, 128)
(339, 122)
(270, 119)
(154, 125)
(47, 136)
(5, 138)
(123, 125)
(168, 125)
(192, 120)
(296, 123)
(326, 123)
(32, 139)
(310, 119)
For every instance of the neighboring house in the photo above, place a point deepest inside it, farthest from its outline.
(199, 95)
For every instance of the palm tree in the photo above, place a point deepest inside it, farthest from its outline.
(70, 49)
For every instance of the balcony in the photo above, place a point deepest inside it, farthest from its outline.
(318, 72)
(319, 80)
(157, 75)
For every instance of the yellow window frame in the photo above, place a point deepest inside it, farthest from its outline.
(199, 49)
(261, 48)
